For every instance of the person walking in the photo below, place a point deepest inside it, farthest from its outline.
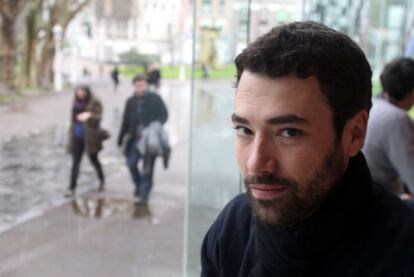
(115, 78)
(141, 109)
(153, 77)
(85, 134)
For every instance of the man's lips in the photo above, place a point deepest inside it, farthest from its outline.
(260, 191)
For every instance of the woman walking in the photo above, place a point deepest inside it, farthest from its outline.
(85, 134)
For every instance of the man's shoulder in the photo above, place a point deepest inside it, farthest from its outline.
(152, 95)
(236, 217)
(393, 223)
(237, 207)
(131, 99)
(229, 240)
(391, 208)
(386, 111)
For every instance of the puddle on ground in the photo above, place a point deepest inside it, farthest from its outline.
(106, 206)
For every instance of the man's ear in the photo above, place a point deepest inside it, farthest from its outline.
(353, 136)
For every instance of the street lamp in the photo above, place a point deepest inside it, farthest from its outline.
(57, 65)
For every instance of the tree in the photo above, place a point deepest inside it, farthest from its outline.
(32, 32)
(60, 12)
(9, 10)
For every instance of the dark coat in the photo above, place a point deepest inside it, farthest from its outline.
(154, 77)
(153, 109)
(359, 230)
(93, 133)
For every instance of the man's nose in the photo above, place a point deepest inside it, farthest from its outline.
(263, 156)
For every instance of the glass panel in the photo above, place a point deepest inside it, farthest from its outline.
(214, 176)
(382, 28)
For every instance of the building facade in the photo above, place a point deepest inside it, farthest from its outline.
(384, 28)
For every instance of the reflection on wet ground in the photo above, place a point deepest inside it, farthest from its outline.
(35, 168)
(103, 206)
(32, 170)
(34, 173)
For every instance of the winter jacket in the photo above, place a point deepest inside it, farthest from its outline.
(92, 132)
(139, 112)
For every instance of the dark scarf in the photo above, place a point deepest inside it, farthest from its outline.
(78, 107)
(298, 250)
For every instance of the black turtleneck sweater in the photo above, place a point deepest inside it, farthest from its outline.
(359, 230)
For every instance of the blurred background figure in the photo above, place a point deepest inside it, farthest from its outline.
(153, 77)
(389, 145)
(205, 71)
(141, 109)
(85, 134)
(115, 78)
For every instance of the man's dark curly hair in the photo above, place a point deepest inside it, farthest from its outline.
(397, 78)
(303, 49)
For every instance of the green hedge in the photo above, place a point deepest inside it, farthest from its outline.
(376, 87)
(130, 71)
(173, 72)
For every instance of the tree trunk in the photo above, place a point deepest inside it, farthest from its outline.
(45, 77)
(32, 29)
(8, 52)
(61, 14)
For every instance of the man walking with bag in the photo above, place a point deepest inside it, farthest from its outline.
(141, 109)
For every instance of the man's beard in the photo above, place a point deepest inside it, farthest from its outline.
(295, 205)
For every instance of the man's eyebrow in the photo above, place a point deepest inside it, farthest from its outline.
(238, 119)
(285, 119)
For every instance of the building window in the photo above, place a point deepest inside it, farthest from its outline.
(243, 25)
(222, 6)
(206, 6)
(118, 29)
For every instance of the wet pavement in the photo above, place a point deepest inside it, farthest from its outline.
(42, 233)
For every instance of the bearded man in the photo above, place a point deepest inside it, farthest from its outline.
(303, 95)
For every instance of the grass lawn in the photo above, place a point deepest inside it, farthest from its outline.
(173, 72)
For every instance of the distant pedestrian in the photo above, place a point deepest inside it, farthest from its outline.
(205, 71)
(141, 110)
(85, 134)
(153, 77)
(115, 78)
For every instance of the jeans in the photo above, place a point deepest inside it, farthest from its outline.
(142, 181)
(77, 153)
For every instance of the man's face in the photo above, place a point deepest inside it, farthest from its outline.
(286, 146)
(140, 87)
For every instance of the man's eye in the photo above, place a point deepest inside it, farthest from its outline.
(288, 133)
(242, 131)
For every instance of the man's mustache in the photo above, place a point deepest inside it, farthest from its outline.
(270, 180)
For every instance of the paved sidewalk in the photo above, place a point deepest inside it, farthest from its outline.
(97, 234)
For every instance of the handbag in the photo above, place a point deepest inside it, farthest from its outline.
(103, 134)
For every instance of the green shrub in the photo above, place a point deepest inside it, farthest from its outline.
(411, 113)
(130, 71)
(173, 72)
(376, 87)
